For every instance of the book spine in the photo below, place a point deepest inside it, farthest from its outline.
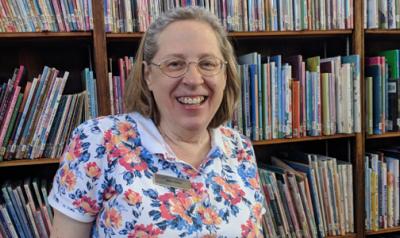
(8, 223)
(9, 114)
(12, 126)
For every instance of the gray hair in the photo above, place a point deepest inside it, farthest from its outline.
(179, 14)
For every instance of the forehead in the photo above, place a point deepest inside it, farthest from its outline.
(188, 38)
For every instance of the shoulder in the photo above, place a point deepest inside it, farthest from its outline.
(233, 136)
(233, 143)
(98, 128)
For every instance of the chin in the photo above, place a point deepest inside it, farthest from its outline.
(193, 124)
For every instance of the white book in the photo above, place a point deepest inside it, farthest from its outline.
(372, 14)
(350, 192)
(383, 14)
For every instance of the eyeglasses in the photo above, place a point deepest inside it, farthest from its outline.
(176, 67)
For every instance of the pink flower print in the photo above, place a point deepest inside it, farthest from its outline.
(92, 170)
(87, 205)
(142, 231)
(132, 198)
(68, 178)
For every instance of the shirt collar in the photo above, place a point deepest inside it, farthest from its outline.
(152, 140)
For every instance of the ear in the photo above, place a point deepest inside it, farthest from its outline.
(146, 74)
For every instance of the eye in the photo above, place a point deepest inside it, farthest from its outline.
(174, 64)
(209, 64)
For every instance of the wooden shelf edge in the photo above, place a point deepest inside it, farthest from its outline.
(24, 162)
(290, 33)
(132, 35)
(45, 34)
(384, 231)
(385, 135)
(138, 35)
(349, 235)
(301, 139)
(382, 32)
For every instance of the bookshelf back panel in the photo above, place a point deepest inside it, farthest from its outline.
(379, 143)
(375, 43)
(307, 47)
(119, 49)
(72, 56)
(19, 173)
(341, 149)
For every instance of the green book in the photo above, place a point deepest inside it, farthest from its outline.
(392, 59)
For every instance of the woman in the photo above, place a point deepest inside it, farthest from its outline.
(169, 169)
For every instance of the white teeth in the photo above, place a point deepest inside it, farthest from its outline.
(191, 100)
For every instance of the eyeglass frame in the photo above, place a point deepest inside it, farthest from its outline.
(223, 64)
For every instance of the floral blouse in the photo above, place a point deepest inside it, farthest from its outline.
(107, 171)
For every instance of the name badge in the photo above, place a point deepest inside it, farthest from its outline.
(169, 181)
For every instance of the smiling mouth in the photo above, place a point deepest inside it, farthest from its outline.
(192, 100)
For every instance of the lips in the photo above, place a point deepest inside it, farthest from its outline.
(191, 100)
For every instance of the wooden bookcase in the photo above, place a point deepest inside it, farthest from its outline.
(76, 50)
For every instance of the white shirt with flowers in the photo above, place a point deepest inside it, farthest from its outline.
(106, 177)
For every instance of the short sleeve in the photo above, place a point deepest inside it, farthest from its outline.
(77, 187)
(248, 170)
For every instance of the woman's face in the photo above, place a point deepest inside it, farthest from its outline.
(190, 101)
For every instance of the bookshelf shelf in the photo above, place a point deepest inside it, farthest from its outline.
(302, 139)
(385, 135)
(382, 32)
(124, 36)
(350, 235)
(295, 34)
(384, 231)
(24, 162)
(44, 35)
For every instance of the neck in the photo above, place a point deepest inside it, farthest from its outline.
(178, 136)
(191, 147)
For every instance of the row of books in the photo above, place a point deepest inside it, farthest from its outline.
(46, 15)
(24, 209)
(382, 14)
(288, 97)
(71, 112)
(382, 92)
(307, 195)
(123, 67)
(31, 117)
(249, 15)
(382, 204)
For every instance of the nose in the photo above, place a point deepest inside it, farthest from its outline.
(193, 75)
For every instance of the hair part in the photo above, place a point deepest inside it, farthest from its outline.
(139, 98)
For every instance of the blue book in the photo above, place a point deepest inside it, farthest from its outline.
(253, 100)
(92, 98)
(260, 99)
(72, 15)
(19, 210)
(374, 71)
(307, 169)
(278, 64)
(3, 224)
(12, 211)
